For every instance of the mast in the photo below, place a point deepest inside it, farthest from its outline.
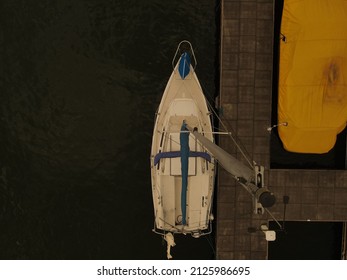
(184, 141)
(251, 180)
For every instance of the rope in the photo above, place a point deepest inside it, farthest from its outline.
(242, 150)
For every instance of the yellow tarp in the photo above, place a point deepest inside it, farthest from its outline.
(313, 74)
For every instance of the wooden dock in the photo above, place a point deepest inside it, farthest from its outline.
(246, 69)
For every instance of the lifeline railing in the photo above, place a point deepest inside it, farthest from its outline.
(178, 51)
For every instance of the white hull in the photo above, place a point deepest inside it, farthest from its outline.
(183, 99)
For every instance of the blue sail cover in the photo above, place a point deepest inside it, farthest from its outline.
(184, 141)
(184, 65)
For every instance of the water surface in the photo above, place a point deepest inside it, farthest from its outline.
(80, 82)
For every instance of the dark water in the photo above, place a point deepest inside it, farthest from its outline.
(307, 241)
(80, 82)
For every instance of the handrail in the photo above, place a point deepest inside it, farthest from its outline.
(190, 50)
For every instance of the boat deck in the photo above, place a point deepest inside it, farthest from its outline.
(247, 30)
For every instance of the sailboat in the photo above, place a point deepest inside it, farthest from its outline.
(184, 157)
(183, 172)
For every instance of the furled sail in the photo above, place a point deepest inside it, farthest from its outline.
(184, 65)
(312, 93)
